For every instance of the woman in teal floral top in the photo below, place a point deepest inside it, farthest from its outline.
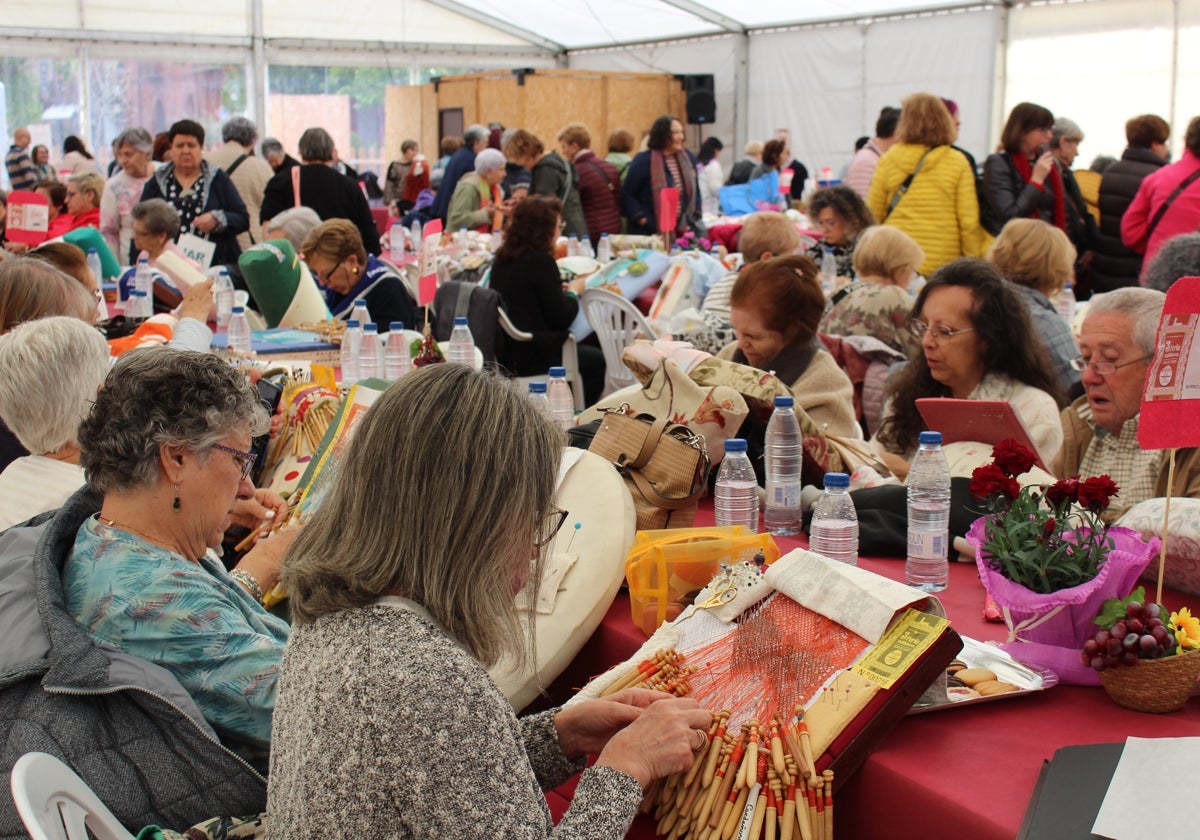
(166, 445)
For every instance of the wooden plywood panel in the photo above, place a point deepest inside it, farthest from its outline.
(502, 100)
(403, 119)
(293, 114)
(455, 92)
(429, 123)
(635, 102)
(552, 101)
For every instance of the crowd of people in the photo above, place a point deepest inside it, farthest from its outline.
(124, 476)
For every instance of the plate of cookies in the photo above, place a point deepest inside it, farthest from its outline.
(980, 674)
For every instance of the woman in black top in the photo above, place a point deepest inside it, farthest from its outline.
(536, 298)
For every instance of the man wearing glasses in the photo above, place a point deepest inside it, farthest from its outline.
(1116, 345)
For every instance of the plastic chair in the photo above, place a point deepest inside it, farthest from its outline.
(55, 804)
(570, 358)
(617, 323)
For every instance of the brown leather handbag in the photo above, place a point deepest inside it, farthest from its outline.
(664, 464)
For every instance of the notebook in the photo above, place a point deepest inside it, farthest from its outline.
(984, 421)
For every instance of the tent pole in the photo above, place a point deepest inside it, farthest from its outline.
(741, 95)
(259, 70)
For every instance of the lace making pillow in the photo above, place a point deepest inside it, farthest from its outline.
(1182, 538)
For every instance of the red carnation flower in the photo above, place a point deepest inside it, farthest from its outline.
(1095, 492)
(989, 480)
(1063, 491)
(1012, 457)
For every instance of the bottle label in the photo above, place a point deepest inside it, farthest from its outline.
(928, 545)
(783, 494)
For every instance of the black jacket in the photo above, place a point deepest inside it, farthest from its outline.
(1011, 196)
(328, 192)
(1115, 265)
(533, 297)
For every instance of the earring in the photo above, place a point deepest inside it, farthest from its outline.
(175, 504)
(354, 270)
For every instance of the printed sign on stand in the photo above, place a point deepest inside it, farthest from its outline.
(197, 249)
(427, 285)
(1170, 416)
(28, 217)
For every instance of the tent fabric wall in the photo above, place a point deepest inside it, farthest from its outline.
(860, 68)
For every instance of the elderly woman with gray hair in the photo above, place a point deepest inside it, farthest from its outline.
(53, 367)
(124, 189)
(318, 185)
(166, 449)
(477, 197)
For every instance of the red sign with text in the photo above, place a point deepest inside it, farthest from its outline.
(1170, 417)
(431, 237)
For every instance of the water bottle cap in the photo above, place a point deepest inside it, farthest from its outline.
(558, 371)
(837, 480)
(784, 402)
(352, 324)
(396, 326)
(930, 438)
(93, 251)
(604, 236)
(237, 310)
(143, 259)
(360, 301)
(138, 293)
(371, 328)
(460, 321)
(573, 236)
(537, 387)
(735, 445)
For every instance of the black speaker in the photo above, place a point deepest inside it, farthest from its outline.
(701, 101)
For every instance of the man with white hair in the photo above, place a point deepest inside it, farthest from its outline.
(248, 173)
(274, 154)
(53, 368)
(461, 162)
(21, 174)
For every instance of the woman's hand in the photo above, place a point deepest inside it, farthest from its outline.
(586, 728)
(264, 560)
(261, 511)
(661, 741)
(577, 285)
(197, 301)
(205, 223)
(1042, 167)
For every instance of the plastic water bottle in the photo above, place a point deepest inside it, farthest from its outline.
(238, 336)
(1066, 303)
(397, 359)
(585, 248)
(562, 403)
(737, 488)
(828, 271)
(222, 295)
(461, 347)
(396, 243)
(604, 249)
(138, 307)
(572, 245)
(370, 354)
(143, 281)
(93, 262)
(537, 396)
(834, 528)
(348, 353)
(415, 236)
(359, 312)
(782, 513)
(927, 567)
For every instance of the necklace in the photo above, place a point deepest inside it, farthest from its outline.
(112, 523)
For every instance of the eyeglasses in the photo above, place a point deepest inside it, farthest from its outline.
(322, 277)
(1103, 368)
(549, 527)
(918, 328)
(246, 459)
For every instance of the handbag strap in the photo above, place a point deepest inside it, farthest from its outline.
(296, 186)
(649, 444)
(1187, 182)
(666, 502)
(907, 182)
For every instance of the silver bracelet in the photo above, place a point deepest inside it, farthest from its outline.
(249, 582)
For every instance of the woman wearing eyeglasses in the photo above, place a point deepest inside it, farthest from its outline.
(842, 216)
(387, 722)
(166, 452)
(976, 344)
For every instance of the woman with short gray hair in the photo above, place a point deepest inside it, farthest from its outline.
(294, 225)
(124, 189)
(477, 198)
(53, 367)
(167, 453)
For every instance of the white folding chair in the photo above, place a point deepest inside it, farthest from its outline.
(55, 804)
(570, 358)
(617, 323)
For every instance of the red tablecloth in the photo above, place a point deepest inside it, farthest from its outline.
(958, 773)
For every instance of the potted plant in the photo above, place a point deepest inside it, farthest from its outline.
(1148, 658)
(1049, 560)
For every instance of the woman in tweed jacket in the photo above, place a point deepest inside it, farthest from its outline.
(403, 592)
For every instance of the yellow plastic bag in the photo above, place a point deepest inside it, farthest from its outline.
(664, 567)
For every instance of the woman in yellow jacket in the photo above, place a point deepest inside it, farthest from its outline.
(925, 187)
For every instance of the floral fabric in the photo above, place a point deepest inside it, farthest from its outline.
(875, 310)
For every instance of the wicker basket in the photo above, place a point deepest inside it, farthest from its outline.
(1153, 685)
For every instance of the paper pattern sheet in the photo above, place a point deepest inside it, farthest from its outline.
(1145, 798)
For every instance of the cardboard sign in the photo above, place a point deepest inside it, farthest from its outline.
(427, 285)
(1170, 416)
(197, 249)
(668, 209)
(28, 217)
(785, 181)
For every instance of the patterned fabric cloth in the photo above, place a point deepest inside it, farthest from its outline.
(21, 174)
(1055, 333)
(190, 618)
(189, 202)
(218, 828)
(843, 254)
(121, 192)
(386, 726)
(873, 309)
(1122, 459)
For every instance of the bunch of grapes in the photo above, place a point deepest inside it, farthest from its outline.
(1141, 634)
